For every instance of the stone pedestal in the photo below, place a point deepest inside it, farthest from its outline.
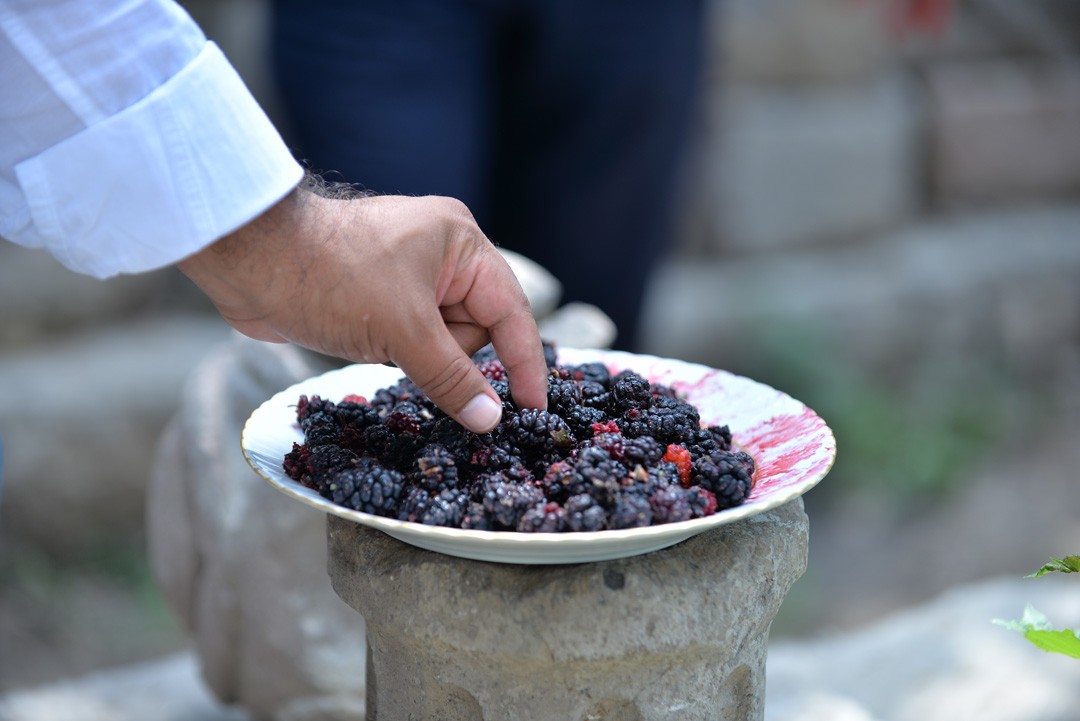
(677, 634)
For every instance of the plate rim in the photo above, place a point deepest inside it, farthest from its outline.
(500, 546)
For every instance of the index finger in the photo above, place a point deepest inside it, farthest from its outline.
(498, 303)
(517, 343)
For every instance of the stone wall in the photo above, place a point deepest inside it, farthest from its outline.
(887, 228)
(826, 137)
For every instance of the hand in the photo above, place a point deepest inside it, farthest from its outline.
(408, 280)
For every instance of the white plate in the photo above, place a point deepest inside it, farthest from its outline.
(792, 446)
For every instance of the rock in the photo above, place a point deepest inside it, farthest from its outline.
(100, 398)
(578, 325)
(1004, 130)
(901, 563)
(40, 298)
(999, 28)
(541, 287)
(798, 166)
(682, 630)
(800, 41)
(241, 564)
(950, 289)
(323, 708)
(941, 661)
(168, 689)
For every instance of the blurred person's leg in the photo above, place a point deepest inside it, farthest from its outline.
(391, 94)
(560, 123)
(597, 100)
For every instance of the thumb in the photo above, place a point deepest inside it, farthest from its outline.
(437, 364)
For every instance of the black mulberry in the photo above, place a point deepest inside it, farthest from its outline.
(725, 475)
(506, 502)
(446, 509)
(594, 395)
(563, 395)
(320, 428)
(581, 420)
(592, 373)
(643, 451)
(704, 441)
(315, 404)
(702, 502)
(535, 432)
(671, 420)
(601, 475)
(436, 469)
(414, 504)
(295, 463)
(543, 518)
(670, 505)
(326, 461)
(610, 451)
(355, 416)
(369, 487)
(583, 513)
(630, 390)
(476, 518)
(630, 510)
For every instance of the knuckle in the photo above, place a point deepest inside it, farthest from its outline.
(450, 384)
(456, 207)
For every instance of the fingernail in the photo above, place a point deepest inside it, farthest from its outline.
(481, 414)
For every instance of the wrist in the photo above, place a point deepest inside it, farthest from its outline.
(250, 272)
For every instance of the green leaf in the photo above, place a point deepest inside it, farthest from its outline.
(1064, 641)
(1037, 629)
(1069, 564)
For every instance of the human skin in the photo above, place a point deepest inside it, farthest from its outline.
(407, 280)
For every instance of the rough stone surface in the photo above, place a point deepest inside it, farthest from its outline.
(79, 420)
(987, 298)
(242, 565)
(1004, 130)
(541, 287)
(960, 284)
(39, 297)
(163, 690)
(681, 632)
(797, 166)
(801, 41)
(579, 325)
(941, 661)
(907, 558)
(973, 30)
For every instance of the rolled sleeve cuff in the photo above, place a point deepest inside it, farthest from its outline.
(159, 181)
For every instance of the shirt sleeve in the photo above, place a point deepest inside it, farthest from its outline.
(135, 144)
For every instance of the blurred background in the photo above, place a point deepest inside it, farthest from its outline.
(884, 226)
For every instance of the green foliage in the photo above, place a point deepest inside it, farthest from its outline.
(1069, 564)
(1037, 628)
(910, 436)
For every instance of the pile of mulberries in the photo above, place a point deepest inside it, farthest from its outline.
(611, 451)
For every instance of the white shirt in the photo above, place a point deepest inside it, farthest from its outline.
(127, 140)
